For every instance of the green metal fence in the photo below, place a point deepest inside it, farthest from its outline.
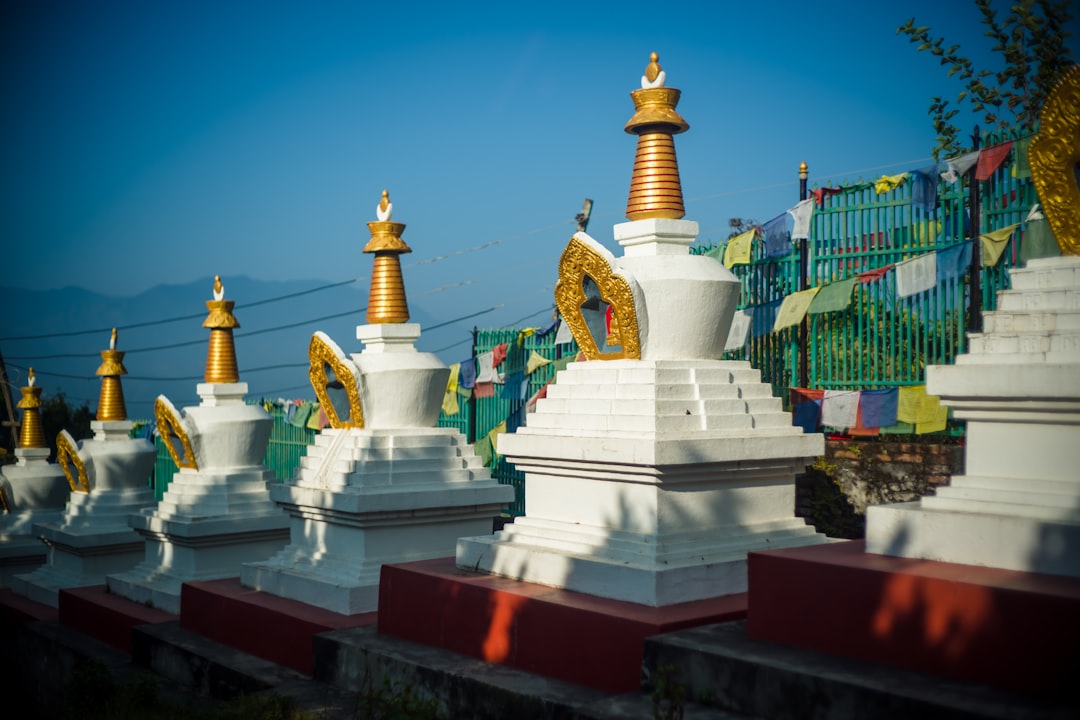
(881, 339)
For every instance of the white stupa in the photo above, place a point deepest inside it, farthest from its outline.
(32, 490)
(217, 513)
(110, 481)
(652, 468)
(382, 484)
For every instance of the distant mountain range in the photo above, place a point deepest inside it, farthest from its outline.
(39, 329)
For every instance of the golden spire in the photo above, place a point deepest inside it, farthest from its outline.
(31, 434)
(111, 400)
(386, 298)
(655, 188)
(221, 354)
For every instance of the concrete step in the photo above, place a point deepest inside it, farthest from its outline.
(360, 658)
(721, 666)
(207, 668)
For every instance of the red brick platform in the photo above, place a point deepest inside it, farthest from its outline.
(18, 609)
(1003, 628)
(271, 627)
(584, 639)
(104, 616)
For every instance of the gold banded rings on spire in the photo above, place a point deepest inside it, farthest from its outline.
(655, 188)
(386, 298)
(221, 354)
(31, 431)
(111, 404)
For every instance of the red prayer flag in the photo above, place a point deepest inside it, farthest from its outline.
(990, 159)
(875, 274)
(820, 193)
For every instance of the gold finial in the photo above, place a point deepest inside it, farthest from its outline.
(111, 398)
(221, 353)
(1054, 155)
(386, 298)
(655, 188)
(804, 170)
(31, 432)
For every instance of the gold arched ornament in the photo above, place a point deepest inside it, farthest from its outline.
(322, 352)
(67, 454)
(577, 261)
(168, 424)
(1054, 154)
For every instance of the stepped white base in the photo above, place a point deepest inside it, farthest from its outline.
(650, 481)
(206, 527)
(363, 498)
(1018, 506)
(20, 554)
(90, 541)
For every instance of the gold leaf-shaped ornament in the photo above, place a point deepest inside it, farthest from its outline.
(324, 353)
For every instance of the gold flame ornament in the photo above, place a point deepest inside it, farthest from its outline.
(67, 455)
(31, 432)
(655, 188)
(169, 424)
(221, 354)
(386, 298)
(111, 399)
(323, 354)
(1054, 155)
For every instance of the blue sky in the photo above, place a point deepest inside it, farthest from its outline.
(150, 143)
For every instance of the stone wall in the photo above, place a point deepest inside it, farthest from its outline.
(834, 492)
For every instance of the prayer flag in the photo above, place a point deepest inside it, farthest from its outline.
(452, 381)
(953, 262)
(990, 159)
(839, 408)
(740, 329)
(776, 236)
(889, 182)
(763, 318)
(924, 188)
(485, 370)
(1021, 167)
(802, 213)
(467, 376)
(493, 436)
(875, 274)
(833, 297)
(819, 195)
(878, 407)
(738, 248)
(793, 310)
(563, 334)
(1038, 241)
(909, 403)
(806, 415)
(957, 167)
(994, 242)
(916, 275)
(536, 361)
(450, 403)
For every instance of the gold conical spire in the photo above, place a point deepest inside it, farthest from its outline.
(221, 354)
(111, 399)
(655, 188)
(386, 298)
(31, 434)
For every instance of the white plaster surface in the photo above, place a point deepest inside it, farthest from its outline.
(1018, 504)
(399, 387)
(35, 491)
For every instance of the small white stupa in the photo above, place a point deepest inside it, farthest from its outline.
(382, 484)
(110, 479)
(32, 490)
(654, 467)
(1018, 387)
(217, 512)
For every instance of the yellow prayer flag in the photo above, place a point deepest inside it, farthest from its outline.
(493, 436)
(524, 334)
(536, 361)
(450, 403)
(937, 421)
(452, 381)
(929, 408)
(738, 249)
(889, 182)
(994, 242)
(909, 403)
(793, 309)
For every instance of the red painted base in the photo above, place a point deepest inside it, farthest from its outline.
(18, 609)
(1011, 630)
(557, 633)
(95, 612)
(271, 627)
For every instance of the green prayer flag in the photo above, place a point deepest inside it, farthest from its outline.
(833, 297)
(717, 253)
(1038, 241)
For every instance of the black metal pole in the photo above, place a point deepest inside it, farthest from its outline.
(975, 269)
(471, 435)
(804, 355)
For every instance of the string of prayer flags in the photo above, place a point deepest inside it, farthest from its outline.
(833, 297)
(839, 408)
(801, 214)
(793, 309)
(990, 159)
(776, 236)
(953, 262)
(957, 167)
(885, 183)
(740, 329)
(916, 275)
(994, 242)
(738, 248)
